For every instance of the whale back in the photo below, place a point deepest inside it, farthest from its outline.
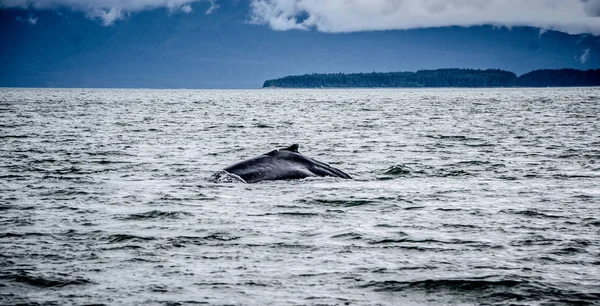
(282, 164)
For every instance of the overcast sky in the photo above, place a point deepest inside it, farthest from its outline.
(570, 16)
(244, 41)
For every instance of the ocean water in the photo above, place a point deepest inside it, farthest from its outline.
(459, 197)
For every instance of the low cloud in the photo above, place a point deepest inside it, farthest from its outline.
(107, 11)
(186, 9)
(584, 57)
(108, 16)
(570, 16)
(31, 19)
(212, 8)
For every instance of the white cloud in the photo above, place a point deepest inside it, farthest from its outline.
(107, 11)
(582, 38)
(31, 19)
(212, 8)
(570, 16)
(584, 57)
(108, 16)
(186, 9)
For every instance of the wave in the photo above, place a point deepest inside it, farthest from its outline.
(398, 170)
(468, 284)
(14, 136)
(15, 207)
(453, 170)
(337, 202)
(423, 241)
(43, 281)
(291, 213)
(156, 214)
(21, 235)
(479, 141)
(530, 213)
(493, 290)
(118, 238)
(451, 173)
(184, 241)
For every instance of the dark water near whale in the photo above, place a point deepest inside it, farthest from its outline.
(460, 197)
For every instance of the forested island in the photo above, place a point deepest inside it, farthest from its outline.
(443, 78)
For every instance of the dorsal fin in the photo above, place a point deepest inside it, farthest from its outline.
(293, 148)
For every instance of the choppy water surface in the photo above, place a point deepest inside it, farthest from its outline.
(487, 196)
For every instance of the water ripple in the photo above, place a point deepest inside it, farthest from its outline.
(460, 197)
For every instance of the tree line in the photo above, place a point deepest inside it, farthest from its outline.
(443, 78)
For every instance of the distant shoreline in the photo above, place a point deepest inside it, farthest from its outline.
(442, 78)
(273, 88)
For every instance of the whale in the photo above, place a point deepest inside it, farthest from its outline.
(281, 164)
